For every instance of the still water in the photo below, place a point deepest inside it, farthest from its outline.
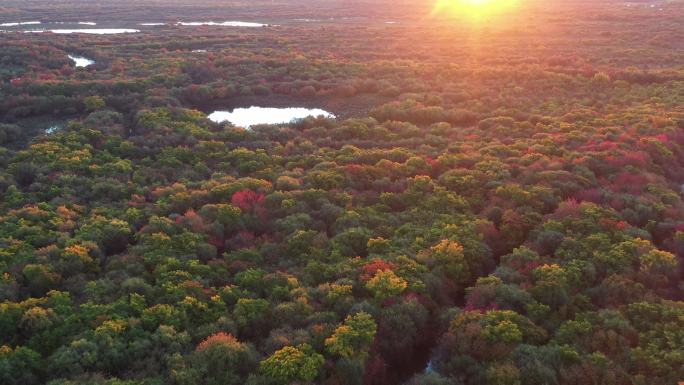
(80, 61)
(223, 24)
(247, 117)
(91, 31)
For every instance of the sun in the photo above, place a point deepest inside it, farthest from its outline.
(472, 9)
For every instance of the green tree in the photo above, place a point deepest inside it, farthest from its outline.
(40, 278)
(252, 315)
(20, 366)
(218, 360)
(503, 374)
(93, 103)
(112, 235)
(354, 337)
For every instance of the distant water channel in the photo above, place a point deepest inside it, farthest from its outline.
(247, 117)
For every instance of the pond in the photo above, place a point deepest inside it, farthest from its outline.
(18, 23)
(247, 117)
(80, 61)
(223, 24)
(62, 27)
(91, 31)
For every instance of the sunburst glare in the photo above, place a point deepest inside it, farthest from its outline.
(473, 9)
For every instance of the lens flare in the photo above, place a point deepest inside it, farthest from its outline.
(473, 9)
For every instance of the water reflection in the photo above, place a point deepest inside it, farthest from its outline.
(247, 117)
(223, 24)
(14, 24)
(91, 31)
(80, 61)
(53, 129)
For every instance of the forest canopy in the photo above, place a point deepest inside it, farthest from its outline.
(495, 203)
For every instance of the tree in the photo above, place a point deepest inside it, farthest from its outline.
(93, 103)
(112, 235)
(289, 364)
(251, 315)
(20, 366)
(448, 256)
(40, 278)
(9, 133)
(218, 360)
(248, 200)
(386, 284)
(403, 327)
(600, 79)
(353, 338)
(551, 285)
(503, 331)
(503, 374)
(659, 262)
(24, 173)
(36, 319)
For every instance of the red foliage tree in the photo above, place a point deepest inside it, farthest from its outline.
(368, 270)
(218, 338)
(248, 201)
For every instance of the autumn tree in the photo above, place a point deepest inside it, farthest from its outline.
(290, 364)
